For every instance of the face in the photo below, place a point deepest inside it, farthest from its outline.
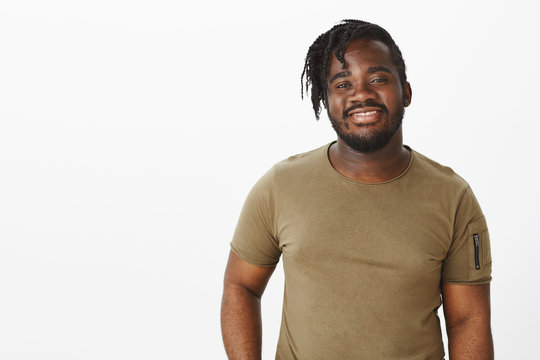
(366, 101)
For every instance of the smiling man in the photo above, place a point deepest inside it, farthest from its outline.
(374, 236)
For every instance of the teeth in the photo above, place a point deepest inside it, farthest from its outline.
(367, 113)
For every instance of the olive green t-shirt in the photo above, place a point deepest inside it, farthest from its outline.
(363, 262)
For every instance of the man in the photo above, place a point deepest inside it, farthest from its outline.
(371, 232)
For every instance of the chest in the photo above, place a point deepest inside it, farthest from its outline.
(365, 233)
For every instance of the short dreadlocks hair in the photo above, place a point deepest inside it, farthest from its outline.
(335, 41)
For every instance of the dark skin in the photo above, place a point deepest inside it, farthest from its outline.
(241, 323)
(370, 75)
(468, 326)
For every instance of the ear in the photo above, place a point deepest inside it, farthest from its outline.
(407, 94)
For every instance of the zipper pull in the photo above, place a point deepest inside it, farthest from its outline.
(476, 240)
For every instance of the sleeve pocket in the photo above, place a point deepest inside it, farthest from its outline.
(478, 250)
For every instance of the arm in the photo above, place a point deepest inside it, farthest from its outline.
(241, 323)
(468, 325)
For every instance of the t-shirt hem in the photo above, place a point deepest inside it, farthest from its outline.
(243, 257)
(481, 282)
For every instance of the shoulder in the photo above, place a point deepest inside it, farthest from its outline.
(290, 173)
(426, 169)
(299, 166)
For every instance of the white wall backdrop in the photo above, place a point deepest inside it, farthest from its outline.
(131, 132)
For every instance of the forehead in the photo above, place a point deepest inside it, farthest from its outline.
(363, 52)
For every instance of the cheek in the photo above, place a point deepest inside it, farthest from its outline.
(335, 105)
(396, 97)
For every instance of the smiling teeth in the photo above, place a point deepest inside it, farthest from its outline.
(367, 113)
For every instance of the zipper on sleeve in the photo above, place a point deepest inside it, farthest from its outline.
(476, 240)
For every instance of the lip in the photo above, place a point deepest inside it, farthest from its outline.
(365, 116)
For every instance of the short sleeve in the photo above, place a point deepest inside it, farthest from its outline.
(468, 260)
(255, 238)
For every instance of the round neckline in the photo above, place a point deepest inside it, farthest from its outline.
(356, 182)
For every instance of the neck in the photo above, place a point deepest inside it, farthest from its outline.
(379, 166)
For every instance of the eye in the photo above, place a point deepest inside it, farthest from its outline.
(343, 86)
(379, 80)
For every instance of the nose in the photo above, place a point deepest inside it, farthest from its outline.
(361, 93)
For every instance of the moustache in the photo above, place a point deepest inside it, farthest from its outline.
(368, 103)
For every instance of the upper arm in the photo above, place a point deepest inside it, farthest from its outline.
(465, 302)
(255, 238)
(251, 277)
(468, 259)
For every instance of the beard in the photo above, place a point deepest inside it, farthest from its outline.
(368, 141)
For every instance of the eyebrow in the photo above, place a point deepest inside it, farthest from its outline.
(375, 69)
(370, 70)
(340, 75)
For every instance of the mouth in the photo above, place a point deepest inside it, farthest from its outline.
(365, 117)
